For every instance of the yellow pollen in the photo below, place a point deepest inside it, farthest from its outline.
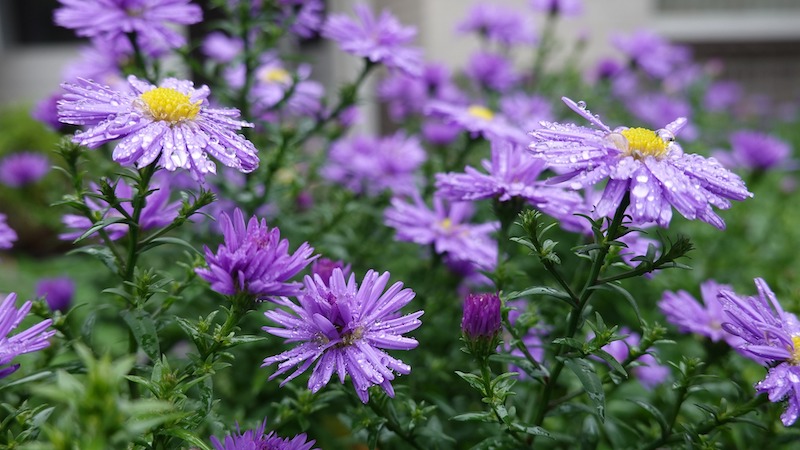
(643, 142)
(276, 75)
(481, 112)
(169, 105)
(446, 223)
(796, 350)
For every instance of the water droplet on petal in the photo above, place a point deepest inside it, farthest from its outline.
(581, 104)
(665, 135)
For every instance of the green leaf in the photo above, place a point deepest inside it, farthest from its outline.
(613, 287)
(28, 379)
(484, 416)
(144, 331)
(187, 436)
(585, 372)
(534, 431)
(99, 225)
(474, 380)
(615, 365)
(104, 254)
(655, 412)
(152, 243)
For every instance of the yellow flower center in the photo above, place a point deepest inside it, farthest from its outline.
(643, 142)
(169, 105)
(276, 75)
(795, 359)
(481, 112)
(446, 224)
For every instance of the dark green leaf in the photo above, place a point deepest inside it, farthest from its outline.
(655, 412)
(144, 331)
(585, 372)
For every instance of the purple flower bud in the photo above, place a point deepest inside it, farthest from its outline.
(58, 292)
(481, 319)
(324, 268)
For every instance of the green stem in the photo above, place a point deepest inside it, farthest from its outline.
(391, 421)
(486, 377)
(138, 203)
(543, 49)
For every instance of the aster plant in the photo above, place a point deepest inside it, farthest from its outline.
(32, 339)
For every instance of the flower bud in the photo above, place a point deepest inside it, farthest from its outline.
(480, 324)
(58, 292)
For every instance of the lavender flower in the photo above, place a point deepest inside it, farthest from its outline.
(759, 151)
(7, 234)
(33, 339)
(478, 120)
(564, 8)
(305, 16)
(512, 172)
(257, 440)
(649, 165)
(157, 211)
(345, 328)
(45, 111)
(407, 95)
(369, 165)
(324, 268)
(23, 168)
(481, 317)
(656, 109)
(222, 48)
(491, 71)
(526, 111)
(691, 316)
(57, 292)
(172, 123)
(653, 54)
(649, 372)
(444, 228)
(254, 260)
(502, 25)
(722, 95)
(380, 39)
(772, 335)
(150, 20)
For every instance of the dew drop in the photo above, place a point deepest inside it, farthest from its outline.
(581, 104)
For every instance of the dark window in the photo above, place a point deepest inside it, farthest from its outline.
(27, 22)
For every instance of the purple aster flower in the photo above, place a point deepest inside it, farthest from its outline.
(305, 16)
(407, 95)
(254, 260)
(46, 111)
(151, 20)
(444, 227)
(257, 440)
(7, 234)
(564, 8)
(511, 173)
(491, 71)
(502, 25)
(23, 168)
(759, 151)
(57, 292)
(222, 48)
(649, 165)
(101, 61)
(606, 68)
(172, 123)
(773, 335)
(722, 95)
(33, 339)
(648, 371)
(381, 39)
(345, 328)
(691, 316)
(369, 165)
(657, 109)
(481, 319)
(274, 82)
(478, 120)
(526, 111)
(653, 54)
(324, 268)
(438, 132)
(157, 211)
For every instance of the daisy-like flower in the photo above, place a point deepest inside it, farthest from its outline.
(653, 54)
(773, 337)
(502, 25)
(512, 172)
(345, 328)
(157, 211)
(491, 71)
(649, 372)
(478, 120)
(759, 151)
(692, 316)
(324, 268)
(254, 260)
(305, 16)
(172, 123)
(445, 228)
(381, 39)
(33, 339)
(151, 20)
(258, 440)
(23, 168)
(648, 165)
(7, 234)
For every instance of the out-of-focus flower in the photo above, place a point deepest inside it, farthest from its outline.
(653, 54)
(383, 39)
(657, 109)
(445, 228)
(19, 169)
(150, 20)
(526, 111)
(324, 268)
(722, 95)
(771, 335)
(759, 151)
(7, 235)
(172, 123)
(304, 16)
(491, 71)
(478, 120)
(564, 8)
(57, 292)
(258, 440)
(222, 48)
(691, 316)
(33, 339)
(648, 165)
(46, 111)
(157, 211)
(497, 24)
(345, 328)
(649, 372)
(369, 165)
(254, 260)
(407, 95)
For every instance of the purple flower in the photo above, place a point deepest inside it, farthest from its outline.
(7, 234)
(481, 319)
(257, 440)
(491, 71)
(222, 48)
(254, 260)
(691, 316)
(502, 25)
(33, 339)
(324, 268)
(274, 82)
(151, 20)
(648, 371)
(173, 121)
(23, 168)
(478, 120)
(526, 111)
(444, 228)
(771, 335)
(722, 95)
(369, 165)
(57, 292)
(759, 151)
(653, 54)
(558, 7)
(305, 16)
(157, 211)
(345, 328)
(649, 165)
(46, 111)
(657, 109)
(101, 61)
(511, 173)
(380, 39)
